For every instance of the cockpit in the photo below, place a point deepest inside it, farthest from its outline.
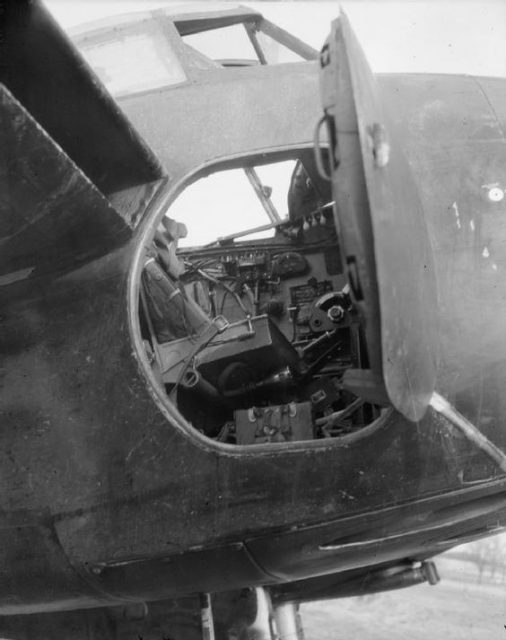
(251, 333)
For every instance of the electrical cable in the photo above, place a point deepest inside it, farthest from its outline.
(227, 288)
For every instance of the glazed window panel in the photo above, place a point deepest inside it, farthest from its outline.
(135, 60)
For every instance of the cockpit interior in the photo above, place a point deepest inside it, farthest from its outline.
(253, 334)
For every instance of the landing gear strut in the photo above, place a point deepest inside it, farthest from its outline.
(271, 622)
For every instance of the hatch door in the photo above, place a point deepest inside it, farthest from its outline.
(381, 222)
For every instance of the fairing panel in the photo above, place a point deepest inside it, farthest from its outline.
(55, 85)
(51, 216)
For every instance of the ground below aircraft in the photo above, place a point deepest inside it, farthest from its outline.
(195, 439)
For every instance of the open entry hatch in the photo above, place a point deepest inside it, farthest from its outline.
(384, 240)
(244, 311)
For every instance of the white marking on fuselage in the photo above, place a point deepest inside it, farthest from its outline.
(496, 194)
(456, 211)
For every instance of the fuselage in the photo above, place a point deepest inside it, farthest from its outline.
(108, 493)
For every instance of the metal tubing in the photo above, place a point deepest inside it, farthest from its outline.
(288, 622)
(255, 182)
(262, 627)
(193, 381)
(206, 617)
